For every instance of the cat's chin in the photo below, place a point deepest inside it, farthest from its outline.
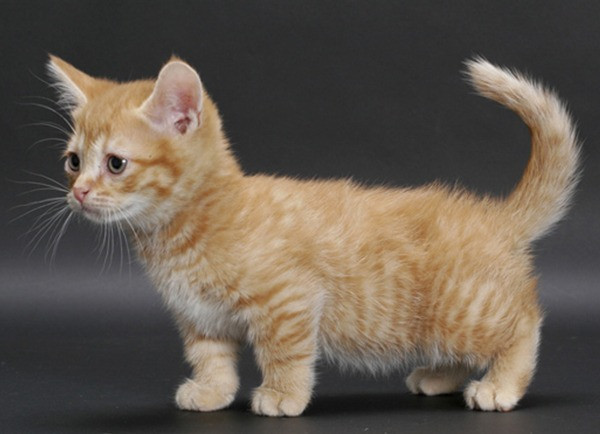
(97, 215)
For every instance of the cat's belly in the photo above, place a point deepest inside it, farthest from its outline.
(371, 338)
(354, 354)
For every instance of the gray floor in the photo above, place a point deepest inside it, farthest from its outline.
(86, 353)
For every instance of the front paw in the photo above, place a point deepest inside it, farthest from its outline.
(203, 397)
(269, 402)
(483, 395)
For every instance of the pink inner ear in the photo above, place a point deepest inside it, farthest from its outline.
(182, 125)
(176, 101)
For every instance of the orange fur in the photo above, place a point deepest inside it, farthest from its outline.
(368, 277)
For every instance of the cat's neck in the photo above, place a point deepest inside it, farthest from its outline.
(201, 214)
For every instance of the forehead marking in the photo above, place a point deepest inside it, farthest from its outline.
(91, 155)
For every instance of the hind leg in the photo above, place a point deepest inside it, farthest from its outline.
(437, 381)
(509, 374)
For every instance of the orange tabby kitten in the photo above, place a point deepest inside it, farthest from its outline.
(368, 277)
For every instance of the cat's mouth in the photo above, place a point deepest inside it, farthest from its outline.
(90, 212)
(100, 215)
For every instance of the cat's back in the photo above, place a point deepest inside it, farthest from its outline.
(345, 208)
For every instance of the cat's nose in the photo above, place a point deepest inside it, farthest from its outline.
(80, 193)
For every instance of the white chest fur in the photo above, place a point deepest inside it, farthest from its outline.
(190, 304)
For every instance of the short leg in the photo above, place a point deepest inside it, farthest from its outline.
(285, 351)
(508, 376)
(214, 381)
(437, 381)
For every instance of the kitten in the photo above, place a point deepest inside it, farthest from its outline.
(367, 277)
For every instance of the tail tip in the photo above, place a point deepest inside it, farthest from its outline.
(477, 67)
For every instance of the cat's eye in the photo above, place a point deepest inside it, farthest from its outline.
(73, 162)
(116, 164)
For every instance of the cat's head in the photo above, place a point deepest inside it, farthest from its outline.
(137, 148)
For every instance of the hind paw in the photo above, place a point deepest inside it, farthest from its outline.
(431, 382)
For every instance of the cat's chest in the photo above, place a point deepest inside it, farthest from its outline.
(190, 299)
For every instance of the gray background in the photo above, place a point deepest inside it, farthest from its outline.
(367, 89)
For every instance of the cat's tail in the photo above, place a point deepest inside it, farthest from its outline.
(543, 195)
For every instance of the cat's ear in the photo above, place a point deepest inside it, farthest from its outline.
(74, 86)
(175, 104)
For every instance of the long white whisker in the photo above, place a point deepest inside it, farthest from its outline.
(38, 222)
(48, 203)
(35, 190)
(123, 235)
(43, 98)
(61, 103)
(57, 239)
(47, 83)
(108, 257)
(113, 246)
(57, 140)
(50, 125)
(40, 184)
(46, 224)
(56, 112)
(56, 233)
(100, 241)
(103, 246)
(137, 239)
(54, 181)
(35, 202)
(108, 247)
(39, 236)
(119, 241)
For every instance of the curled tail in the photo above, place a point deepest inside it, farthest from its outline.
(543, 195)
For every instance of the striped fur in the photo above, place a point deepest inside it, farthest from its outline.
(371, 278)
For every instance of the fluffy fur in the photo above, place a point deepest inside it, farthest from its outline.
(367, 277)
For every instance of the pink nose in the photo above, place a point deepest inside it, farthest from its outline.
(80, 193)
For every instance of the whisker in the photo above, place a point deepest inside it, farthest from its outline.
(59, 141)
(56, 212)
(62, 103)
(35, 190)
(61, 233)
(123, 234)
(67, 121)
(123, 240)
(43, 186)
(47, 203)
(38, 221)
(103, 246)
(59, 184)
(52, 236)
(118, 241)
(50, 125)
(106, 263)
(43, 98)
(112, 244)
(39, 236)
(35, 202)
(47, 83)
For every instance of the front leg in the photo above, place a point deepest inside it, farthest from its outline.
(285, 346)
(214, 380)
